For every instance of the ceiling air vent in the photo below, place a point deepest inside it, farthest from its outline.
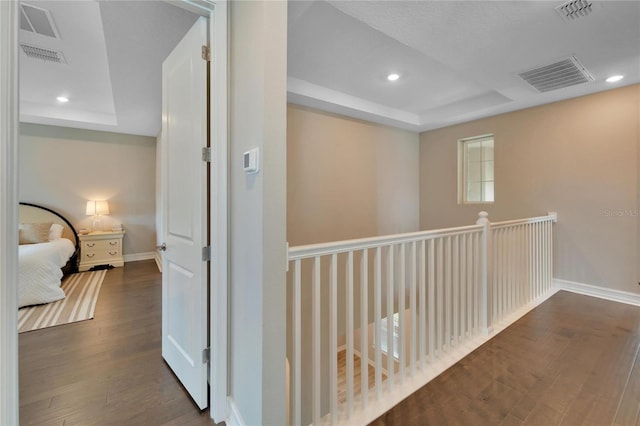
(557, 75)
(42, 53)
(37, 20)
(574, 9)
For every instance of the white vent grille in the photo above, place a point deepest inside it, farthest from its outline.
(574, 9)
(37, 20)
(42, 53)
(557, 75)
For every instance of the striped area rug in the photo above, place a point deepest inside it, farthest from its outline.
(79, 304)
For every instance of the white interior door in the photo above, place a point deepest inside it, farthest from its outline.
(184, 205)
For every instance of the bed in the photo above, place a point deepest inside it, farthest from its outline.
(49, 249)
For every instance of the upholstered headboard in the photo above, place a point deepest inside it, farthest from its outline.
(32, 213)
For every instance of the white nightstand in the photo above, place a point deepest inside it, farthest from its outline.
(101, 248)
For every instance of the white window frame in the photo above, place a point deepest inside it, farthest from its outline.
(463, 166)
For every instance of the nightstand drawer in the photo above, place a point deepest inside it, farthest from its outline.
(99, 255)
(101, 245)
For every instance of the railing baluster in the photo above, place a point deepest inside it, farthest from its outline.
(390, 319)
(476, 287)
(440, 297)
(315, 354)
(470, 284)
(537, 268)
(523, 263)
(297, 343)
(463, 288)
(412, 308)
(532, 277)
(501, 273)
(509, 283)
(402, 359)
(377, 306)
(423, 305)
(350, 305)
(333, 339)
(550, 255)
(456, 291)
(447, 294)
(364, 327)
(432, 304)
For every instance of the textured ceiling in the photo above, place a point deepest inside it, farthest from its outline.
(458, 60)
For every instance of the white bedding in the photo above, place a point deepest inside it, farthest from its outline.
(39, 271)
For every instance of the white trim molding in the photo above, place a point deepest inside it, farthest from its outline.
(158, 258)
(599, 292)
(9, 113)
(234, 418)
(218, 212)
(134, 257)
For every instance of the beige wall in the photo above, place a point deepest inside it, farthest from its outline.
(62, 168)
(348, 178)
(577, 157)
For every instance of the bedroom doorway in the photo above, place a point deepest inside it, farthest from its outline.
(9, 81)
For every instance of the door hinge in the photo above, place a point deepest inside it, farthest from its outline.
(206, 254)
(206, 355)
(206, 53)
(206, 154)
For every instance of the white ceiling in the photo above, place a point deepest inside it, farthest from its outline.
(458, 60)
(114, 52)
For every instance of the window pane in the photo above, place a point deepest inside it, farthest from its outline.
(487, 170)
(474, 151)
(474, 192)
(474, 172)
(488, 191)
(487, 150)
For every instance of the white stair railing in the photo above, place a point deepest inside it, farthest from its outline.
(435, 291)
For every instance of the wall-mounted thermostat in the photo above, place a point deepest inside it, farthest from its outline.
(251, 161)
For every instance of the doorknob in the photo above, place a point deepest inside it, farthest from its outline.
(162, 247)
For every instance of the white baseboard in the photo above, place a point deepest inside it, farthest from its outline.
(158, 259)
(235, 419)
(134, 257)
(600, 292)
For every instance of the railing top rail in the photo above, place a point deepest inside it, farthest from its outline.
(506, 223)
(312, 250)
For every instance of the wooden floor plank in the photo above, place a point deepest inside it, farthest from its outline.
(109, 370)
(573, 361)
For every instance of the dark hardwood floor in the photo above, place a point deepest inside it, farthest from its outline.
(109, 370)
(572, 361)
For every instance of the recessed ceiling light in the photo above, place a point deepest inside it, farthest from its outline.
(393, 77)
(614, 78)
(62, 99)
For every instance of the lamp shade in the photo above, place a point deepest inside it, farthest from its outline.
(95, 207)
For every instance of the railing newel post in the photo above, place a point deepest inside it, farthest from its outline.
(485, 272)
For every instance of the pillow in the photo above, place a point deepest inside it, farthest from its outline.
(33, 233)
(55, 232)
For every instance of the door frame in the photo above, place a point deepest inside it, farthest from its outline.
(217, 11)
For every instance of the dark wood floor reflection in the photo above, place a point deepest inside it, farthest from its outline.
(572, 361)
(109, 370)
